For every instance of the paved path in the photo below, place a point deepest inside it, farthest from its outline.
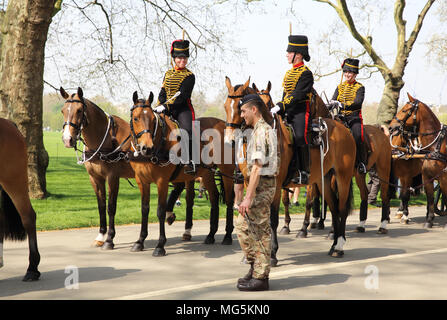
(408, 263)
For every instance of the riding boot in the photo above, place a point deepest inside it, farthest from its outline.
(303, 160)
(190, 166)
(362, 155)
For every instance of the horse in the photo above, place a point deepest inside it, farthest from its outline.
(106, 140)
(430, 143)
(338, 163)
(286, 156)
(405, 167)
(17, 216)
(156, 136)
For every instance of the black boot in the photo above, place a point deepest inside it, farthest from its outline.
(254, 285)
(362, 155)
(190, 167)
(303, 157)
(247, 277)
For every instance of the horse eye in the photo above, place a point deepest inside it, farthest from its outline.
(135, 119)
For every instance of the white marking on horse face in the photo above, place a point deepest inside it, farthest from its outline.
(145, 111)
(232, 110)
(66, 135)
(340, 243)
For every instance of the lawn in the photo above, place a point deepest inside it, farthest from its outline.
(72, 202)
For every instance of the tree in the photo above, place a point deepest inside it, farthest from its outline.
(24, 27)
(393, 76)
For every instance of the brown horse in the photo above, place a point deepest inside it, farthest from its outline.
(430, 142)
(338, 162)
(405, 167)
(106, 140)
(156, 137)
(17, 216)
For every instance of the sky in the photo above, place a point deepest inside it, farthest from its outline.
(262, 32)
(265, 38)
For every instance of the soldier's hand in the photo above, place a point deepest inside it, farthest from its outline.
(244, 206)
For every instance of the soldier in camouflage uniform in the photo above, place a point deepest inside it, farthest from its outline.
(253, 222)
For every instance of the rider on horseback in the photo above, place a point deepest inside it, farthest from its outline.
(348, 97)
(179, 79)
(295, 105)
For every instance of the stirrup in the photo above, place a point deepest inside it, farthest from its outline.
(362, 168)
(301, 178)
(190, 168)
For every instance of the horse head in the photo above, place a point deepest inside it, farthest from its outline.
(143, 124)
(75, 119)
(232, 108)
(265, 94)
(405, 121)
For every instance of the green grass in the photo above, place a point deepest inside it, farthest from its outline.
(72, 201)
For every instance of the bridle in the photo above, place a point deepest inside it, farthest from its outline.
(135, 136)
(82, 124)
(232, 124)
(401, 129)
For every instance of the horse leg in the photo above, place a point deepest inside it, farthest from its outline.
(99, 186)
(309, 201)
(145, 197)
(361, 183)
(159, 250)
(229, 200)
(286, 203)
(429, 191)
(210, 185)
(173, 196)
(114, 184)
(190, 194)
(385, 202)
(274, 222)
(405, 198)
(18, 194)
(316, 209)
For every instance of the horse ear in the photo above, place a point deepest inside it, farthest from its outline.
(247, 83)
(269, 86)
(228, 83)
(410, 97)
(253, 85)
(151, 97)
(64, 94)
(80, 93)
(135, 97)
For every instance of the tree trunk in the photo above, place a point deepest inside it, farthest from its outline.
(24, 33)
(390, 98)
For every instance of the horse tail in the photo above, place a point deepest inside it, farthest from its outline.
(13, 226)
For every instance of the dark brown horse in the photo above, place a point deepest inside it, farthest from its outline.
(338, 162)
(430, 142)
(106, 140)
(17, 216)
(156, 137)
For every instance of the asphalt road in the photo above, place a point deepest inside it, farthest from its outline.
(407, 263)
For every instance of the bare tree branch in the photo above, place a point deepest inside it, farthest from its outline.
(418, 25)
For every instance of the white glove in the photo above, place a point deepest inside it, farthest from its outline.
(275, 109)
(160, 109)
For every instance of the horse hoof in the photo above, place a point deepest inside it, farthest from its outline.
(31, 276)
(209, 240)
(170, 220)
(108, 246)
(186, 237)
(404, 221)
(313, 225)
(159, 252)
(360, 229)
(302, 234)
(321, 225)
(331, 251)
(338, 253)
(137, 247)
(330, 236)
(227, 241)
(428, 225)
(285, 230)
(97, 243)
(398, 215)
(382, 231)
(273, 262)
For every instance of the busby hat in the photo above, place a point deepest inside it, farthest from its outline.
(299, 44)
(350, 65)
(180, 48)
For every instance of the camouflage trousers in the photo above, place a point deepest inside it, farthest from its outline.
(255, 236)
